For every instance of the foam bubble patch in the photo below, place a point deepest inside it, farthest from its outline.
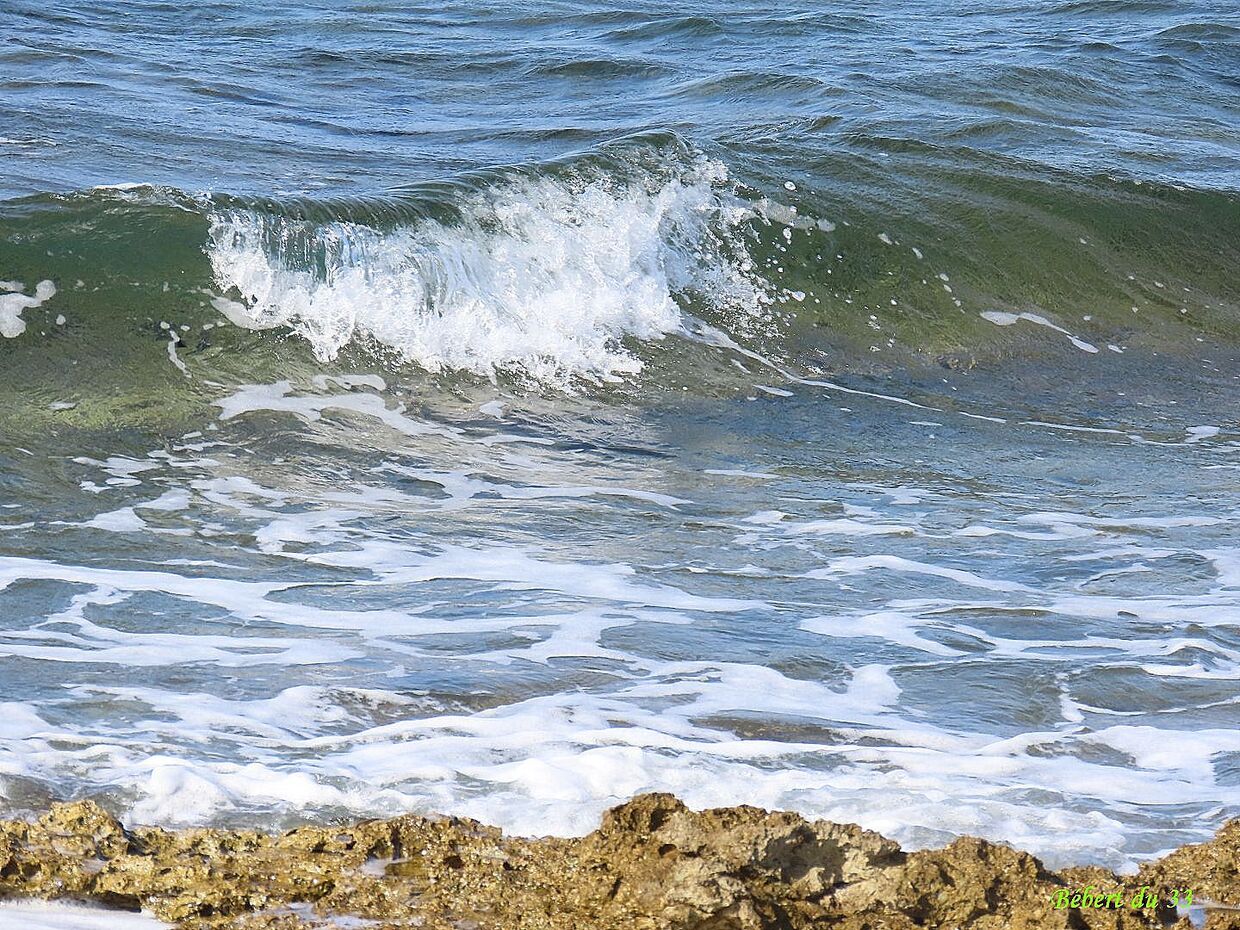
(12, 305)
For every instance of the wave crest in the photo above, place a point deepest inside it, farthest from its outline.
(547, 275)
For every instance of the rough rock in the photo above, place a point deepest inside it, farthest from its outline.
(653, 864)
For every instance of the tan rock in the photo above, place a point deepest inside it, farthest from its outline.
(653, 864)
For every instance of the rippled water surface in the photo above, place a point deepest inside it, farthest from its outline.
(504, 411)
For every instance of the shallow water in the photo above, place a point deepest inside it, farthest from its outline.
(505, 413)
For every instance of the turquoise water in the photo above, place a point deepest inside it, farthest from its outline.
(507, 410)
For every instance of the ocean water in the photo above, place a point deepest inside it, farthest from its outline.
(503, 410)
(49, 915)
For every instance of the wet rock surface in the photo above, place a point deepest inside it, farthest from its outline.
(653, 863)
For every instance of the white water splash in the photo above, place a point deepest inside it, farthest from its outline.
(545, 277)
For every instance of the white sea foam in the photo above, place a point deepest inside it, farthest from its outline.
(850, 565)
(413, 619)
(1200, 433)
(543, 276)
(12, 305)
(1003, 318)
(63, 915)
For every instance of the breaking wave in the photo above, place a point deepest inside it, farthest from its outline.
(549, 275)
(572, 272)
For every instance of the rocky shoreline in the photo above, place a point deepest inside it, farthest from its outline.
(652, 864)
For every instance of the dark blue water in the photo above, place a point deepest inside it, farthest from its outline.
(271, 97)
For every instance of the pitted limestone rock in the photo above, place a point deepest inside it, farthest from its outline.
(653, 864)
